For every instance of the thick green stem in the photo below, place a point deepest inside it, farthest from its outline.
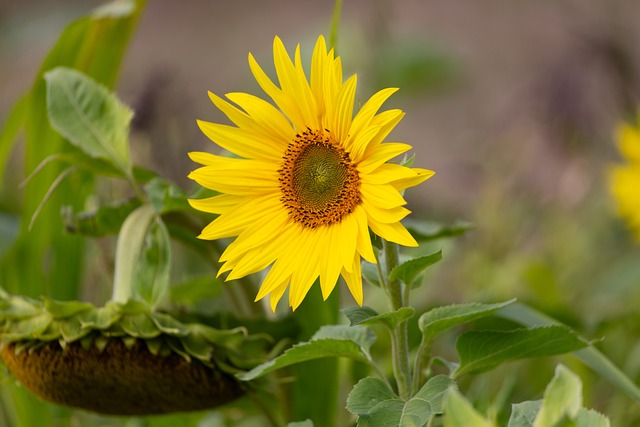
(399, 336)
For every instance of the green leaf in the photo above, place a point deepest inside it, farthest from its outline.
(62, 309)
(367, 316)
(94, 45)
(32, 326)
(142, 258)
(151, 275)
(103, 221)
(305, 423)
(370, 273)
(562, 399)
(484, 350)
(363, 337)
(139, 326)
(9, 132)
(89, 116)
(459, 412)
(408, 271)
(311, 350)
(591, 356)
(166, 196)
(424, 231)
(590, 418)
(368, 393)
(373, 401)
(523, 414)
(101, 318)
(435, 321)
(357, 315)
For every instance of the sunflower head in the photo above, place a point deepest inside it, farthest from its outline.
(624, 179)
(308, 180)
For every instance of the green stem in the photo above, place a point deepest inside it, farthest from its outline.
(394, 287)
(399, 335)
(335, 21)
(137, 189)
(423, 350)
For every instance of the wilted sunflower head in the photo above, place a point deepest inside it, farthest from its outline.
(624, 179)
(310, 179)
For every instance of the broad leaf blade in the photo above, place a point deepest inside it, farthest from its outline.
(89, 116)
(434, 322)
(357, 315)
(374, 402)
(484, 350)
(311, 350)
(368, 393)
(366, 316)
(591, 356)
(409, 270)
(363, 337)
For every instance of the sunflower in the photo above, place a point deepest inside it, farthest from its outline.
(624, 179)
(308, 179)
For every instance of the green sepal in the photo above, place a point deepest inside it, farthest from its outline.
(28, 323)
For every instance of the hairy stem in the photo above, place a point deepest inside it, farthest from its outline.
(399, 335)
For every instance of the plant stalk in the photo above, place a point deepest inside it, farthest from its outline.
(399, 336)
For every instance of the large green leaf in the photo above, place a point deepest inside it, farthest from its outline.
(89, 116)
(409, 270)
(9, 132)
(484, 350)
(303, 352)
(363, 337)
(591, 356)
(435, 321)
(373, 402)
(328, 341)
(94, 45)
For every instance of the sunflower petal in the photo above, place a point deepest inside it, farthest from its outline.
(382, 153)
(363, 245)
(421, 175)
(393, 232)
(276, 294)
(354, 280)
(217, 204)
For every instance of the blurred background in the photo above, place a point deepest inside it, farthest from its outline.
(512, 103)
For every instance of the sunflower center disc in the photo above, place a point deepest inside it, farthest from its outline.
(320, 184)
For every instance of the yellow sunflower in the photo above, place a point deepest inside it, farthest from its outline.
(624, 179)
(309, 180)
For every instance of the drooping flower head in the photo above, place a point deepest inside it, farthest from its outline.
(309, 180)
(624, 179)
